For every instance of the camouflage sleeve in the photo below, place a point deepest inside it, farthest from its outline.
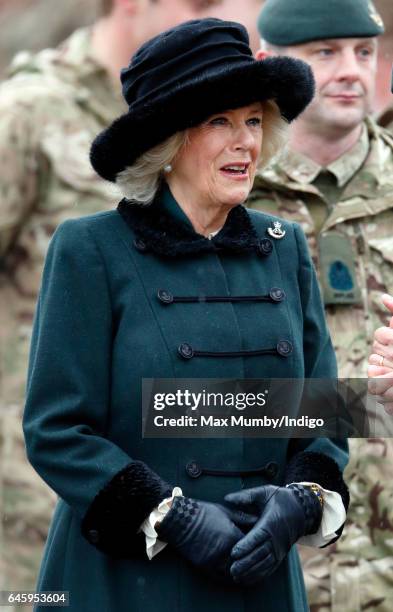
(19, 169)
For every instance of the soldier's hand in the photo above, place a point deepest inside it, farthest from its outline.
(380, 369)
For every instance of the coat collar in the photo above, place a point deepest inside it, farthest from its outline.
(166, 230)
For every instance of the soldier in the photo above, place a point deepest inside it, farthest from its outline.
(336, 180)
(51, 107)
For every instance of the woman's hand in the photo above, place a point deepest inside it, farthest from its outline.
(286, 514)
(380, 369)
(204, 533)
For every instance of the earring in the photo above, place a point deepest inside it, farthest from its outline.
(168, 168)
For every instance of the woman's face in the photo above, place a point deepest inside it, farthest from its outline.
(218, 163)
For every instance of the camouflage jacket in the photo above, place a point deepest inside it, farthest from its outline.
(363, 215)
(356, 573)
(51, 107)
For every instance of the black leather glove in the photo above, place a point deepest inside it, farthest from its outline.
(204, 533)
(286, 514)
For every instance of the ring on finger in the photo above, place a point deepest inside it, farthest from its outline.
(381, 358)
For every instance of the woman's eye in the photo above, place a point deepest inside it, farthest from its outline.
(255, 121)
(218, 121)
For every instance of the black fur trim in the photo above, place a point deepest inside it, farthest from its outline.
(287, 81)
(166, 236)
(116, 513)
(321, 469)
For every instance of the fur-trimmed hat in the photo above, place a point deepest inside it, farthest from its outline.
(182, 76)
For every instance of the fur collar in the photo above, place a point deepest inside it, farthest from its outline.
(164, 234)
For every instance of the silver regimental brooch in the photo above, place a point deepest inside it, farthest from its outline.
(276, 231)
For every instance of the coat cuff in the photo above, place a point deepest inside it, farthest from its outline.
(153, 544)
(114, 517)
(318, 467)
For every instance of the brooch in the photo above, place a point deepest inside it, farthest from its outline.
(276, 231)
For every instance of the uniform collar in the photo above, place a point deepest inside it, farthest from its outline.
(165, 229)
(304, 170)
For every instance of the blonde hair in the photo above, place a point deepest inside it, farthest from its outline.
(141, 181)
(275, 133)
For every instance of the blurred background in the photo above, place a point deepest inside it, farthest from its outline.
(35, 25)
(26, 503)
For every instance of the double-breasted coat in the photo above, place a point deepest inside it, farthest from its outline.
(103, 322)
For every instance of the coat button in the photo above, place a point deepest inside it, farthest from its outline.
(164, 296)
(140, 245)
(265, 246)
(271, 469)
(93, 536)
(277, 294)
(284, 348)
(185, 351)
(193, 469)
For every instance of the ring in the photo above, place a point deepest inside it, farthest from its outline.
(381, 361)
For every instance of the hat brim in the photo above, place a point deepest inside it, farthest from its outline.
(287, 81)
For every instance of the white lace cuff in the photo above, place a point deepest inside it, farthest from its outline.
(153, 544)
(333, 516)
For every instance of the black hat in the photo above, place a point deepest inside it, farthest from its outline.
(293, 22)
(182, 76)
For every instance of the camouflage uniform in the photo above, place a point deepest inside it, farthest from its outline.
(346, 211)
(51, 107)
(50, 110)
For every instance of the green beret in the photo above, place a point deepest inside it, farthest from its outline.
(292, 22)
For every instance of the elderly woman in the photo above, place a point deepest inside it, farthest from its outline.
(181, 281)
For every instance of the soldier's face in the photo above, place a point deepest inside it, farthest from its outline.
(345, 73)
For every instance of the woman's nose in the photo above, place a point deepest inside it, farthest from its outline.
(244, 139)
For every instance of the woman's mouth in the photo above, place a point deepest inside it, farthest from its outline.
(237, 171)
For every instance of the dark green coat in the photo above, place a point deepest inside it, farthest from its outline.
(100, 327)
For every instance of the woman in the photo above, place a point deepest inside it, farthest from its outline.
(202, 115)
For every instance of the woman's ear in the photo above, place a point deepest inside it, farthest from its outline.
(261, 54)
